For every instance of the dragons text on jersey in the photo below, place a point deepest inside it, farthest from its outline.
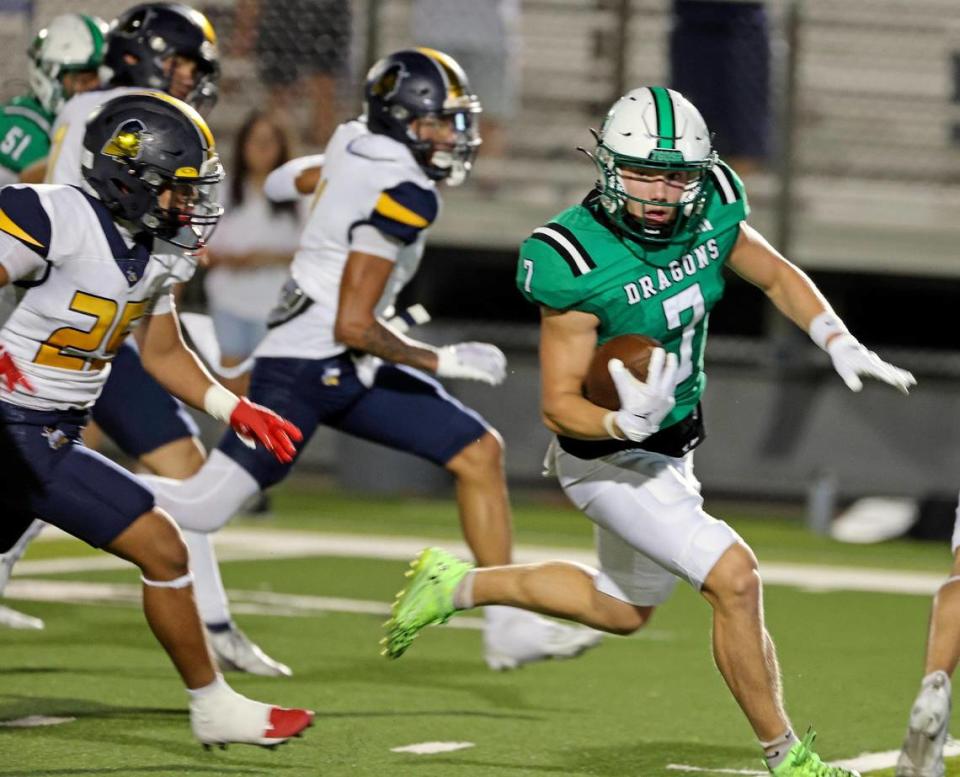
(580, 261)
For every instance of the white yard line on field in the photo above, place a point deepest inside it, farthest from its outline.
(429, 748)
(709, 770)
(253, 544)
(244, 602)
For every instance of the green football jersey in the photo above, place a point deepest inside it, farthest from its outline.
(579, 262)
(24, 134)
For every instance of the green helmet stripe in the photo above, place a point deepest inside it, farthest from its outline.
(665, 121)
(96, 35)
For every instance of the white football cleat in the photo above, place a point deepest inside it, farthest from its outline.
(18, 620)
(922, 752)
(510, 642)
(233, 650)
(222, 717)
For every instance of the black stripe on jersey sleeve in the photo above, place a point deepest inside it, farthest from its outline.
(568, 234)
(404, 210)
(560, 249)
(721, 174)
(22, 216)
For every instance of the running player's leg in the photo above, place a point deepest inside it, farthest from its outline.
(18, 527)
(10, 617)
(154, 428)
(653, 503)
(97, 501)
(927, 730)
(409, 411)
(651, 530)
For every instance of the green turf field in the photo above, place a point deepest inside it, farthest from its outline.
(851, 664)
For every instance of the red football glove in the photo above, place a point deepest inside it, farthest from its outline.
(276, 434)
(10, 375)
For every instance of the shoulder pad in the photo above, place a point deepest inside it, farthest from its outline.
(729, 205)
(552, 260)
(23, 216)
(377, 148)
(404, 210)
(27, 112)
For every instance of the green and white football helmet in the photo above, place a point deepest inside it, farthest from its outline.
(655, 128)
(71, 42)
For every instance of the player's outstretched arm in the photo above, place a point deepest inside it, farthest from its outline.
(179, 371)
(361, 287)
(294, 178)
(797, 297)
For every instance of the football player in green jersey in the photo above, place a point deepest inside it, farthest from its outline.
(644, 253)
(64, 58)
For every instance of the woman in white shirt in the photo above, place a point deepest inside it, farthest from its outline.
(254, 242)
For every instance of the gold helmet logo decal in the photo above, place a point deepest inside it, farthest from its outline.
(125, 141)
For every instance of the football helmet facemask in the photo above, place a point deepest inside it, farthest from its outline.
(151, 160)
(72, 42)
(421, 97)
(658, 130)
(143, 39)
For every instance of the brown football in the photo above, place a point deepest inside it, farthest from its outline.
(633, 350)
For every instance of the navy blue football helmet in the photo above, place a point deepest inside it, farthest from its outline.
(424, 83)
(151, 160)
(144, 37)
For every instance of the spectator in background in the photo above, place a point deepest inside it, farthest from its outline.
(254, 243)
(484, 37)
(720, 59)
(301, 46)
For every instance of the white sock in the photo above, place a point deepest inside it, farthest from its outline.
(12, 556)
(936, 678)
(775, 751)
(463, 595)
(218, 684)
(207, 584)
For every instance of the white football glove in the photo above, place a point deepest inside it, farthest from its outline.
(851, 359)
(644, 404)
(367, 365)
(473, 361)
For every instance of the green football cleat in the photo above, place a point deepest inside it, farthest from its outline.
(801, 761)
(434, 576)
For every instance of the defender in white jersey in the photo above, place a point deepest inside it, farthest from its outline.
(364, 239)
(171, 47)
(83, 255)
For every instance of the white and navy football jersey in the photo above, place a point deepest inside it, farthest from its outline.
(86, 283)
(66, 136)
(373, 197)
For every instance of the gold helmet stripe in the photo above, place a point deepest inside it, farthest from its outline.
(208, 32)
(449, 67)
(191, 113)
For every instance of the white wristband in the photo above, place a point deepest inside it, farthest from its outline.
(609, 423)
(220, 403)
(824, 326)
